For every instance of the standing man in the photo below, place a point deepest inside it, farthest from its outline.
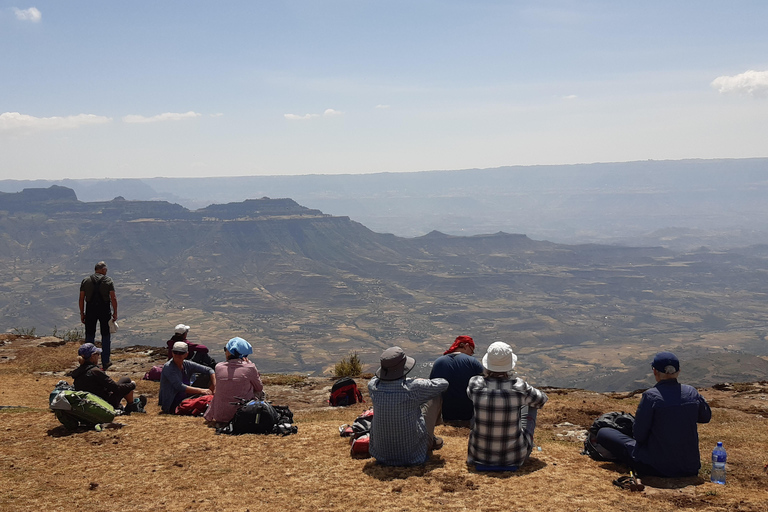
(457, 366)
(98, 292)
(666, 436)
(402, 431)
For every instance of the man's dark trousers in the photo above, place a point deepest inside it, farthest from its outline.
(100, 312)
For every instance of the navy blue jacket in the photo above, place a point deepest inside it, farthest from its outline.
(457, 368)
(665, 428)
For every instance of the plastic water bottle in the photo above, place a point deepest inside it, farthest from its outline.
(718, 464)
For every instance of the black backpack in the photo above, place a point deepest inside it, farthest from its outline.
(344, 392)
(622, 421)
(260, 417)
(96, 298)
(203, 380)
(360, 427)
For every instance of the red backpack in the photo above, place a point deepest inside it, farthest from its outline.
(359, 434)
(344, 392)
(194, 406)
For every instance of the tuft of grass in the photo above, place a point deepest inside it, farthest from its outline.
(274, 379)
(349, 366)
(72, 335)
(24, 331)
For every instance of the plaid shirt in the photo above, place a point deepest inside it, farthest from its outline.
(496, 438)
(399, 435)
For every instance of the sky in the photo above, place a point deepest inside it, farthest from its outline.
(92, 89)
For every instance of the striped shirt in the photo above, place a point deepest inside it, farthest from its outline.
(399, 435)
(497, 438)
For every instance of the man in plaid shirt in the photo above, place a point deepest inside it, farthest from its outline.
(505, 413)
(402, 430)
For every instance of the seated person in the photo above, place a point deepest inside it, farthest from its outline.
(195, 350)
(505, 412)
(666, 437)
(89, 377)
(402, 430)
(176, 379)
(457, 366)
(237, 377)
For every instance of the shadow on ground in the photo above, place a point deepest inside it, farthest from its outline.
(531, 465)
(388, 473)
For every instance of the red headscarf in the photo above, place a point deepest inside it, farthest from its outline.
(459, 340)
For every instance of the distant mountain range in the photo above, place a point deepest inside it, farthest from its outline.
(681, 204)
(307, 288)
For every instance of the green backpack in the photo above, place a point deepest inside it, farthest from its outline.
(73, 408)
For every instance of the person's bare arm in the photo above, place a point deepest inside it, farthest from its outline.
(191, 390)
(113, 299)
(81, 304)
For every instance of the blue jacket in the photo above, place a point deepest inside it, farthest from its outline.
(457, 368)
(665, 428)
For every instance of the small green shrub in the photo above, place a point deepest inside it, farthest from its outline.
(24, 331)
(349, 366)
(71, 335)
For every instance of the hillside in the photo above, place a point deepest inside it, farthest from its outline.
(681, 204)
(309, 288)
(168, 463)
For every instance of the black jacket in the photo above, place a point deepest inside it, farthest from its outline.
(89, 377)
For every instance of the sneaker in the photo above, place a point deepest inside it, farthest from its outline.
(106, 366)
(437, 443)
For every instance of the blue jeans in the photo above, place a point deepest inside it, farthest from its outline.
(622, 447)
(528, 419)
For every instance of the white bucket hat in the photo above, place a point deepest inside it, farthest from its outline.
(499, 358)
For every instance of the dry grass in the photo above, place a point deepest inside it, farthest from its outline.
(168, 463)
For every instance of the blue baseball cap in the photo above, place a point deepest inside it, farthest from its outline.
(238, 347)
(664, 360)
(87, 350)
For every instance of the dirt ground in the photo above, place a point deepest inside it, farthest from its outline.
(169, 463)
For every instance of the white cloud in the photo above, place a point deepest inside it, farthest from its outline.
(570, 97)
(32, 14)
(750, 83)
(167, 116)
(329, 112)
(382, 107)
(296, 117)
(17, 121)
(218, 114)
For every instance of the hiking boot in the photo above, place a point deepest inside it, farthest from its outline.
(106, 366)
(140, 403)
(437, 443)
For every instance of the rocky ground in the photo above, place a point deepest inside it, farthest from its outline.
(157, 462)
